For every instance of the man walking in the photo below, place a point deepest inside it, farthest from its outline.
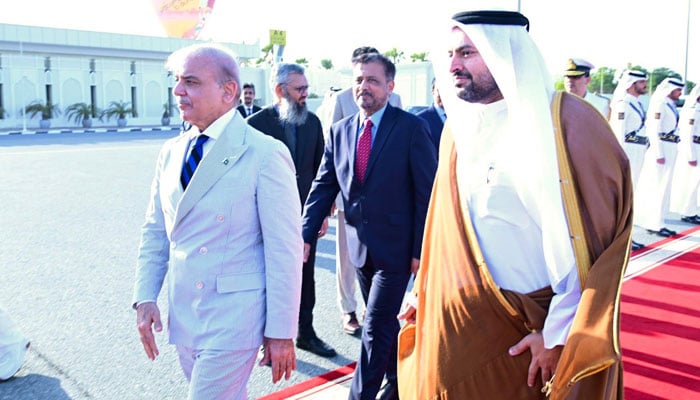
(289, 121)
(342, 104)
(214, 227)
(382, 162)
(508, 293)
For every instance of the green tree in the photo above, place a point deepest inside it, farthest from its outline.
(267, 57)
(326, 63)
(117, 109)
(658, 75)
(46, 110)
(603, 81)
(303, 62)
(395, 55)
(419, 57)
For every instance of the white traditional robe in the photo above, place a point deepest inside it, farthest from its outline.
(628, 116)
(652, 197)
(684, 194)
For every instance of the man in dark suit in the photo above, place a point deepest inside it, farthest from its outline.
(383, 162)
(435, 116)
(289, 121)
(248, 108)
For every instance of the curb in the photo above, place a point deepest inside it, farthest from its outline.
(90, 130)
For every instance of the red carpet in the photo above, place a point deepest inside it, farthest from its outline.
(661, 329)
(327, 386)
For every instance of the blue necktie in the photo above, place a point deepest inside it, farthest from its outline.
(193, 160)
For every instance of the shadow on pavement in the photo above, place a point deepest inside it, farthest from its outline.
(32, 386)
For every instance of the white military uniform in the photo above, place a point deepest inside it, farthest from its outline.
(653, 195)
(599, 102)
(627, 121)
(684, 193)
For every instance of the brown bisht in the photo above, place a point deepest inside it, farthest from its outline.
(458, 348)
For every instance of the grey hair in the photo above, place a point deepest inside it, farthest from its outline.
(281, 75)
(220, 56)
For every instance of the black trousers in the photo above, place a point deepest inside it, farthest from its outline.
(308, 295)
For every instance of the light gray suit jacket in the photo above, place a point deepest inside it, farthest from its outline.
(232, 254)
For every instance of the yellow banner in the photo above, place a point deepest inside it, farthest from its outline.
(278, 37)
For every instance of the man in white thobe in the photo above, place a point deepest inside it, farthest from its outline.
(652, 196)
(684, 194)
(627, 121)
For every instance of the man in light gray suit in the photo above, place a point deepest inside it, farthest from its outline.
(232, 256)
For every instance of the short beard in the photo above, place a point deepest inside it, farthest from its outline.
(482, 92)
(292, 112)
(640, 91)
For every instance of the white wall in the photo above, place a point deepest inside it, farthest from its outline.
(23, 51)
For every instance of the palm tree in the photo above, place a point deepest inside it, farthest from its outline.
(419, 57)
(117, 109)
(267, 56)
(80, 113)
(394, 55)
(167, 109)
(47, 111)
(303, 62)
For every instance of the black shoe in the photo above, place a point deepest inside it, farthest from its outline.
(691, 219)
(663, 232)
(390, 391)
(636, 246)
(316, 346)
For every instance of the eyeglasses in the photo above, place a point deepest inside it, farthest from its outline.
(299, 89)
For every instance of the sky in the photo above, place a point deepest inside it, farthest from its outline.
(607, 33)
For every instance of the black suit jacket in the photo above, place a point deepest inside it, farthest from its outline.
(309, 145)
(432, 117)
(241, 109)
(387, 212)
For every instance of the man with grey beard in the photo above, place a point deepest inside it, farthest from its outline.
(290, 121)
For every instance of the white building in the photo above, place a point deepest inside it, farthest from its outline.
(64, 66)
(68, 66)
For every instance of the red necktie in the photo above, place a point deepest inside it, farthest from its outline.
(364, 147)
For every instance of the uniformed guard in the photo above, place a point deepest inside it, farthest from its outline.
(577, 76)
(684, 193)
(627, 119)
(654, 191)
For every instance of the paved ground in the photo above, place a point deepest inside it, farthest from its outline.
(71, 207)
